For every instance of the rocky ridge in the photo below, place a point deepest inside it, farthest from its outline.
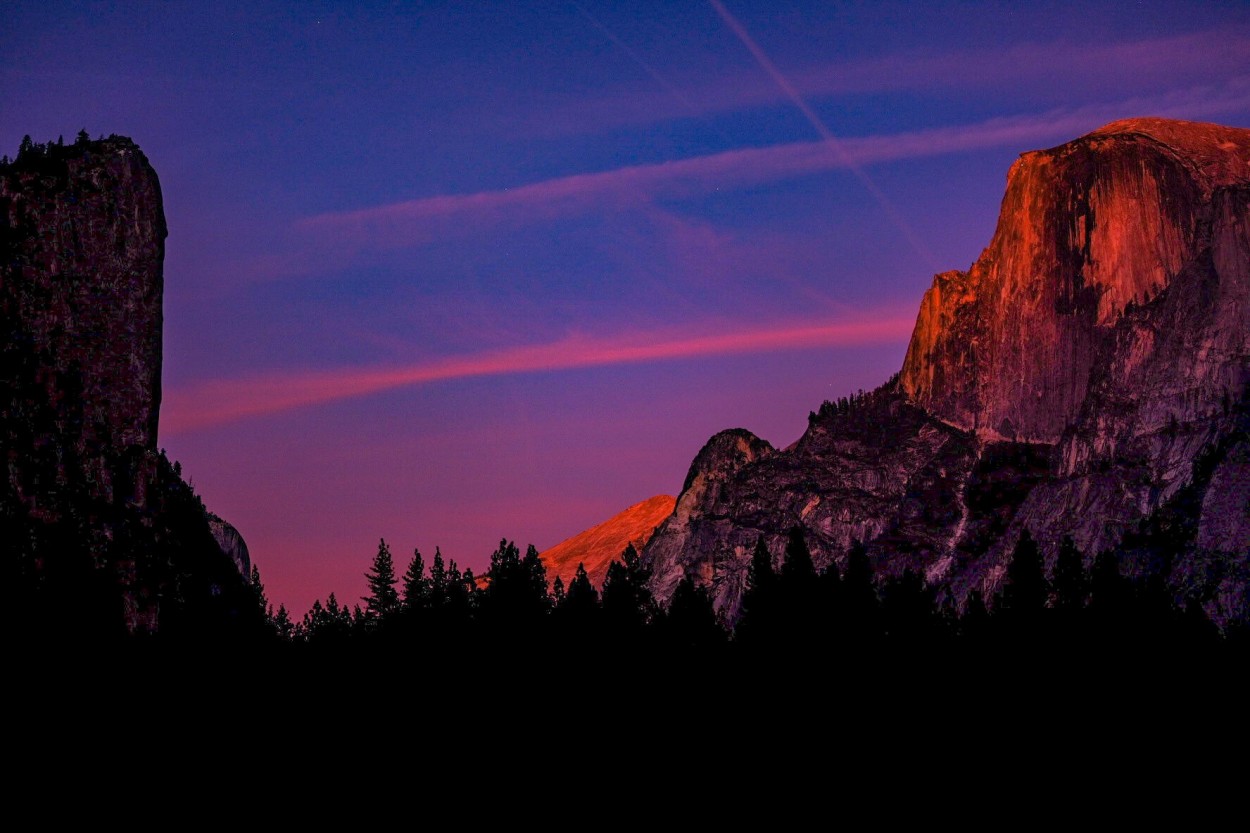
(1086, 373)
(603, 543)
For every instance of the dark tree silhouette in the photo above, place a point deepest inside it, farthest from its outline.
(1109, 598)
(383, 598)
(582, 599)
(416, 585)
(628, 606)
(858, 616)
(1070, 581)
(759, 599)
(258, 590)
(909, 610)
(329, 625)
(1022, 604)
(690, 623)
(797, 614)
(797, 570)
(515, 604)
(578, 616)
(536, 580)
(282, 624)
(1070, 586)
(974, 624)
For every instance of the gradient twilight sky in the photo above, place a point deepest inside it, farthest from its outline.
(447, 272)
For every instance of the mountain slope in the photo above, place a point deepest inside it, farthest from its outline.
(1089, 371)
(603, 543)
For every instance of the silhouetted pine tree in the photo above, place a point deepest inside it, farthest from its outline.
(628, 605)
(282, 624)
(798, 612)
(578, 615)
(461, 593)
(383, 598)
(438, 582)
(757, 623)
(516, 600)
(582, 598)
(828, 600)
(797, 569)
(450, 604)
(329, 625)
(536, 576)
(416, 585)
(1070, 585)
(257, 590)
(858, 617)
(1022, 605)
(690, 623)
(1070, 582)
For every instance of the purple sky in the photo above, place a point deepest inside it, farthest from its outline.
(455, 271)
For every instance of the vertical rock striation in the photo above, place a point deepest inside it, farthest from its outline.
(1089, 370)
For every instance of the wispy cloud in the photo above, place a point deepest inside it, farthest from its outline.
(832, 142)
(1038, 71)
(416, 221)
(220, 401)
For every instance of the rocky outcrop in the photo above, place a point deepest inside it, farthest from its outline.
(1088, 232)
(82, 281)
(98, 528)
(1088, 368)
(596, 548)
(231, 543)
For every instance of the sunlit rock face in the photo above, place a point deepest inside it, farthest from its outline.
(1088, 367)
(1088, 231)
(596, 548)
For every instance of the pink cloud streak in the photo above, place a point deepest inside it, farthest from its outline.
(221, 401)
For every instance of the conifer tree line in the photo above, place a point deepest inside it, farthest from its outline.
(32, 155)
(787, 605)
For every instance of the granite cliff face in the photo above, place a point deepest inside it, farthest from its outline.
(83, 281)
(92, 517)
(1089, 371)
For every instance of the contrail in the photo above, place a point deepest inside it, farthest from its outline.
(830, 140)
(669, 86)
(636, 58)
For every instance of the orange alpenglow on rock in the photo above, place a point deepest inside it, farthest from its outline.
(602, 544)
(1089, 370)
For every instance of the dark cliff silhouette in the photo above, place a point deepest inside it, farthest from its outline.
(101, 537)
